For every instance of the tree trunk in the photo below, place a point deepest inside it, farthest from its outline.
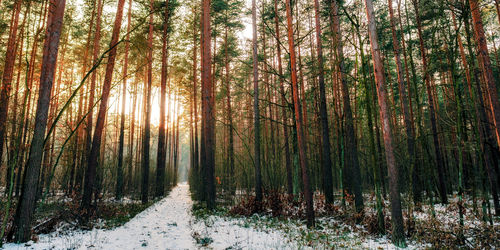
(90, 101)
(119, 176)
(208, 108)
(325, 135)
(27, 201)
(160, 160)
(90, 174)
(147, 123)
(300, 130)
(229, 114)
(398, 237)
(256, 116)
(284, 103)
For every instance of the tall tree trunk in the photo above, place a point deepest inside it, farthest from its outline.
(256, 115)
(326, 160)
(160, 160)
(208, 108)
(27, 201)
(90, 174)
(229, 113)
(147, 123)
(176, 153)
(196, 154)
(90, 101)
(398, 237)
(284, 103)
(119, 176)
(300, 130)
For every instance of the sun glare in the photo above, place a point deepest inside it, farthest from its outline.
(173, 101)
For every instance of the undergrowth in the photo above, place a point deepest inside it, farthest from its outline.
(339, 226)
(65, 214)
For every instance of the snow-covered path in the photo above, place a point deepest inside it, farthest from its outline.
(168, 224)
(164, 225)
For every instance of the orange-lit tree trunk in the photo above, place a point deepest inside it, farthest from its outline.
(298, 120)
(398, 237)
(27, 201)
(207, 109)
(90, 174)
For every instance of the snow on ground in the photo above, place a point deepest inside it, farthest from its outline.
(164, 225)
(232, 233)
(168, 224)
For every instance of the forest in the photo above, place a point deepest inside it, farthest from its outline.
(258, 124)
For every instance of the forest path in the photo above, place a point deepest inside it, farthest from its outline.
(164, 225)
(168, 224)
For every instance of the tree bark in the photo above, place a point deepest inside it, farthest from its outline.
(284, 103)
(27, 201)
(90, 175)
(147, 124)
(256, 114)
(160, 162)
(90, 101)
(300, 130)
(229, 112)
(119, 176)
(325, 134)
(398, 237)
(208, 108)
